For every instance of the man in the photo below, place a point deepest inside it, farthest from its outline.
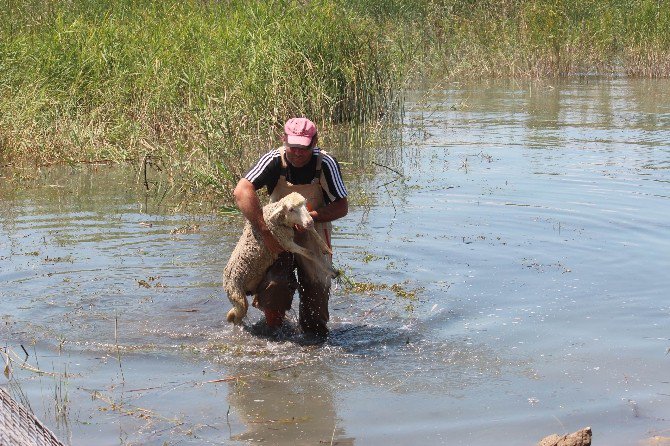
(298, 166)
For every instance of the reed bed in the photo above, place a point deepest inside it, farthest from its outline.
(533, 38)
(199, 88)
(547, 38)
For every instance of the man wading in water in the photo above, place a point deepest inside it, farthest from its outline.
(298, 166)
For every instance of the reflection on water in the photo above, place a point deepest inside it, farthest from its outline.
(514, 284)
(289, 406)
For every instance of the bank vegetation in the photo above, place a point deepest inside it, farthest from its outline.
(198, 88)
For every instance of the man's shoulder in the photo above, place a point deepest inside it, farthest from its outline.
(329, 161)
(266, 165)
(274, 153)
(269, 158)
(324, 154)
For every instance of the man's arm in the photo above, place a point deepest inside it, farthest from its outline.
(250, 206)
(332, 211)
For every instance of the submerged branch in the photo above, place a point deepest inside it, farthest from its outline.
(11, 357)
(389, 168)
(238, 377)
(220, 380)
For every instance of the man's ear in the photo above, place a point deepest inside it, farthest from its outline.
(315, 139)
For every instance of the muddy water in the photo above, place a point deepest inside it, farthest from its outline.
(511, 283)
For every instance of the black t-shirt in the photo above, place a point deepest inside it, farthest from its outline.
(268, 169)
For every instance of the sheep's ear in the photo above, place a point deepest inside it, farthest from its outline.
(280, 209)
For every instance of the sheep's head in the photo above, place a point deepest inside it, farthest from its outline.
(295, 209)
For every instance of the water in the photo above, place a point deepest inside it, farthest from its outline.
(515, 285)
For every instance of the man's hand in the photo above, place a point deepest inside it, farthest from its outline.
(250, 206)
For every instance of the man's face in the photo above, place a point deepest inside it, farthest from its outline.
(298, 156)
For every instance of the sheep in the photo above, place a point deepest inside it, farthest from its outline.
(251, 259)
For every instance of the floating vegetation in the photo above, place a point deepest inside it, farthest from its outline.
(400, 290)
(151, 282)
(540, 267)
(186, 229)
(11, 358)
(143, 283)
(369, 257)
(66, 259)
(124, 408)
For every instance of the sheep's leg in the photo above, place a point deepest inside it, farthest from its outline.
(326, 267)
(293, 247)
(320, 241)
(240, 307)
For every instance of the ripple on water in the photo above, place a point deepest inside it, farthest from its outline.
(532, 224)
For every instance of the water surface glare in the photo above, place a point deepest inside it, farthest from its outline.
(513, 283)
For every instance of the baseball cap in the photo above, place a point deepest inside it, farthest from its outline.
(299, 131)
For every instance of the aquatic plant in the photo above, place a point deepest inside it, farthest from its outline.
(403, 295)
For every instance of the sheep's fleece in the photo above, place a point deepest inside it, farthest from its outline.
(250, 259)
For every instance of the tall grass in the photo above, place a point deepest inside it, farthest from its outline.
(534, 38)
(540, 38)
(202, 86)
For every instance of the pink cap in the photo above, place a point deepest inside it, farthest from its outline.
(299, 131)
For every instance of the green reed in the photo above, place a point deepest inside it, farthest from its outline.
(200, 85)
(540, 38)
(533, 38)
(199, 88)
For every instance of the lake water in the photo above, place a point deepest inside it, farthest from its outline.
(512, 283)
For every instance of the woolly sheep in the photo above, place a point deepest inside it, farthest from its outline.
(250, 259)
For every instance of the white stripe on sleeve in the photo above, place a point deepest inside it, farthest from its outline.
(262, 164)
(340, 189)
